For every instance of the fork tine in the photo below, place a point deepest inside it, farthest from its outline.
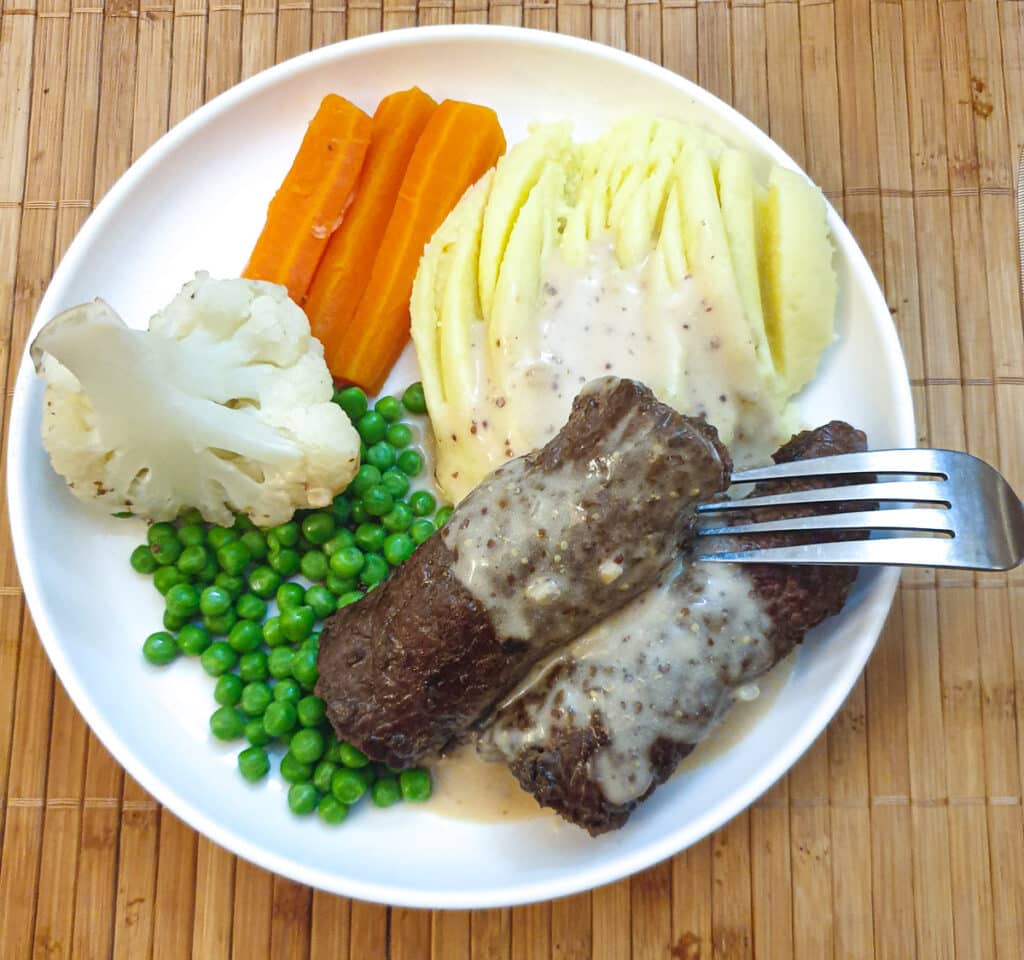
(924, 519)
(896, 551)
(912, 461)
(913, 491)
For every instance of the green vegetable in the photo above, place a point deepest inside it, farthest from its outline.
(307, 745)
(347, 786)
(389, 408)
(245, 636)
(398, 519)
(161, 532)
(193, 559)
(253, 666)
(370, 536)
(304, 668)
(395, 482)
(318, 527)
(351, 597)
(381, 455)
(285, 534)
(422, 503)
(254, 731)
(143, 561)
(272, 635)
(263, 582)
(167, 577)
(234, 585)
(416, 785)
(221, 536)
(192, 535)
(289, 595)
(227, 723)
(255, 543)
(285, 562)
(159, 648)
(279, 718)
(421, 530)
(173, 622)
(443, 516)
(310, 711)
(323, 772)
(234, 557)
(398, 548)
(359, 514)
(288, 690)
(228, 689)
(372, 427)
(255, 698)
(321, 601)
(413, 399)
(314, 565)
(352, 757)
(353, 401)
(399, 435)
(378, 500)
(410, 462)
(297, 623)
(251, 607)
(220, 624)
(341, 508)
(218, 658)
(193, 640)
(182, 600)
(294, 770)
(339, 585)
(375, 569)
(253, 762)
(214, 601)
(331, 810)
(302, 798)
(279, 662)
(348, 561)
(166, 550)
(341, 539)
(385, 792)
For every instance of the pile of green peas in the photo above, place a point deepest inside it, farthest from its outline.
(218, 585)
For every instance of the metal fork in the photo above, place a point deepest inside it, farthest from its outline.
(958, 512)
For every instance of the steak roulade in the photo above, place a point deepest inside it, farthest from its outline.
(544, 548)
(601, 724)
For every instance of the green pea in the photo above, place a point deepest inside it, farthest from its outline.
(348, 561)
(254, 731)
(253, 762)
(221, 624)
(193, 640)
(307, 745)
(251, 607)
(304, 546)
(341, 508)
(374, 571)
(159, 648)
(289, 595)
(314, 566)
(218, 658)
(339, 585)
(234, 585)
(422, 503)
(143, 561)
(389, 408)
(214, 601)
(209, 573)
(385, 792)
(410, 462)
(321, 601)
(395, 482)
(287, 689)
(443, 516)
(332, 811)
(310, 711)
(398, 548)
(297, 623)
(415, 784)
(322, 774)
(161, 531)
(352, 596)
(359, 514)
(318, 527)
(285, 562)
(421, 530)
(193, 559)
(255, 698)
(413, 399)
(304, 668)
(381, 455)
(367, 476)
(302, 798)
(398, 519)
(190, 515)
(234, 557)
(255, 543)
(399, 435)
(263, 582)
(286, 534)
(228, 689)
(293, 770)
(173, 621)
(371, 537)
(166, 551)
(182, 600)
(372, 427)
(227, 723)
(279, 662)
(347, 786)
(221, 536)
(253, 666)
(272, 635)
(167, 577)
(378, 500)
(279, 717)
(352, 757)
(353, 401)
(312, 642)
(341, 539)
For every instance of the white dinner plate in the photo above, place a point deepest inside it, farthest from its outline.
(196, 200)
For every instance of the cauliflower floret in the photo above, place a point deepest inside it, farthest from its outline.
(223, 405)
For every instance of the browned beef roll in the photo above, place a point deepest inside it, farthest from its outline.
(548, 545)
(599, 726)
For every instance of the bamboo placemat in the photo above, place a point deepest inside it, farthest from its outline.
(900, 833)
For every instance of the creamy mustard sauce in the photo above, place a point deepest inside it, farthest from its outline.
(668, 665)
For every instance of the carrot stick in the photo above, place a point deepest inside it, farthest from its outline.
(344, 270)
(460, 142)
(312, 198)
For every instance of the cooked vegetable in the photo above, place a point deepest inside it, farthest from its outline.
(460, 143)
(344, 270)
(310, 202)
(223, 406)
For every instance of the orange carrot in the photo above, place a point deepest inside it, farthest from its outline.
(344, 270)
(312, 198)
(459, 144)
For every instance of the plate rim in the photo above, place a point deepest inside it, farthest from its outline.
(395, 893)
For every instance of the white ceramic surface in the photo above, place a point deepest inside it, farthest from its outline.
(197, 200)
